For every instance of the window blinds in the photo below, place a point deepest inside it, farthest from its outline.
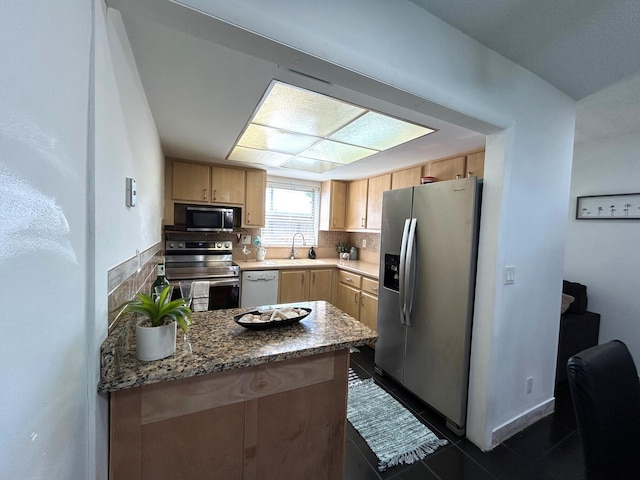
(289, 209)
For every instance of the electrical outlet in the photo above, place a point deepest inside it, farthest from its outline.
(246, 240)
(529, 385)
(364, 243)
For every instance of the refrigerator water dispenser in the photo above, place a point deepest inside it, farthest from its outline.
(392, 272)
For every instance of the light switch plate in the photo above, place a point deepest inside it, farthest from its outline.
(509, 275)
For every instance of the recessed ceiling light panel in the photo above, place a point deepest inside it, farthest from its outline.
(267, 138)
(310, 165)
(337, 152)
(302, 111)
(379, 132)
(304, 130)
(264, 157)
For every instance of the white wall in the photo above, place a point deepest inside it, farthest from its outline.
(64, 224)
(44, 263)
(126, 145)
(603, 255)
(527, 173)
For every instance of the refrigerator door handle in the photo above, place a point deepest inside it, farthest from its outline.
(402, 287)
(410, 272)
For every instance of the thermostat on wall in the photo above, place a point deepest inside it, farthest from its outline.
(131, 192)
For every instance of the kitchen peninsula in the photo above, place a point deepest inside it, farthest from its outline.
(234, 403)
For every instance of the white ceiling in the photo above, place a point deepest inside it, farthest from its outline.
(579, 46)
(203, 78)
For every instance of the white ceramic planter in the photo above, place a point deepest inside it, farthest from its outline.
(154, 343)
(260, 254)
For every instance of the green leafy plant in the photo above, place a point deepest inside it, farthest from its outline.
(159, 310)
(342, 247)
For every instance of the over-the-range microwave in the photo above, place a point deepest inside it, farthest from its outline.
(203, 218)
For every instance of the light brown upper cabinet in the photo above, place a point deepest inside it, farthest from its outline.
(377, 186)
(191, 182)
(254, 210)
(333, 195)
(447, 169)
(475, 165)
(227, 185)
(357, 204)
(409, 177)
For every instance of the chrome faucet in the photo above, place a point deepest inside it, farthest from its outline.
(293, 244)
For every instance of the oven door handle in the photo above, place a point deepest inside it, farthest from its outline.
(213, 282)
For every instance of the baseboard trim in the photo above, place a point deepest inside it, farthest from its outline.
(531, 416)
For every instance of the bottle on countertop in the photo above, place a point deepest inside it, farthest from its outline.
(312, 253)
(160, 283)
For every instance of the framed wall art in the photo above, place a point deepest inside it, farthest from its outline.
(622, 206)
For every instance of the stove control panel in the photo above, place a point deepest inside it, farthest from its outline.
(202, 246)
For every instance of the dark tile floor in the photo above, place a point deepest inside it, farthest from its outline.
(549, 449)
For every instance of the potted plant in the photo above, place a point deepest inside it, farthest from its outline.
(342, 249)
(156, 332)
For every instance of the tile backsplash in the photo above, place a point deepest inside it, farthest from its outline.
(325, 247)
(130, 277)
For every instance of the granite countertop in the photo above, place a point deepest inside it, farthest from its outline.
(356, 266)
(218, 343)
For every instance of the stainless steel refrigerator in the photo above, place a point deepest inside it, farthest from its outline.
(428, 255)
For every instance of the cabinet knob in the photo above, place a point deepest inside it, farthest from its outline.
(204, 193)
(469, 174)
(214, 194)
(458, 176)
(248, 217)
(355, 298)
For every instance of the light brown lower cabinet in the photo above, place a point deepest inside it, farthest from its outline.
(306, 285)
(358, 297)
(369, 310)
(282, 420)
(349, 300)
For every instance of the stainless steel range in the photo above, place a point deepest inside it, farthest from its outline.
(204, 257)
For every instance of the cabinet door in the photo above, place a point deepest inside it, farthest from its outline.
(409, 177)
(190, 182)
(255, 198)
(377, 186)
(333, 195)
(369, 310)
(349, 300)
(357, 205)
(321, 285)
(448, 168)
(370, 286)
(293, 286)
(475, 164)
(227, 185)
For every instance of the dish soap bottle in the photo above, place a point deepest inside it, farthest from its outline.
(312, 253)
(160, 282)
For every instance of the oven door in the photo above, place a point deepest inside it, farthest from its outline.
(223, 292)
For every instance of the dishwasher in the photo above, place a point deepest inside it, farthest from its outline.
(259, 287)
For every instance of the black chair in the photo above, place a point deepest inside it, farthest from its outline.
(606, 397)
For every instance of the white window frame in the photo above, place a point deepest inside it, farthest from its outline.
(280, 227)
